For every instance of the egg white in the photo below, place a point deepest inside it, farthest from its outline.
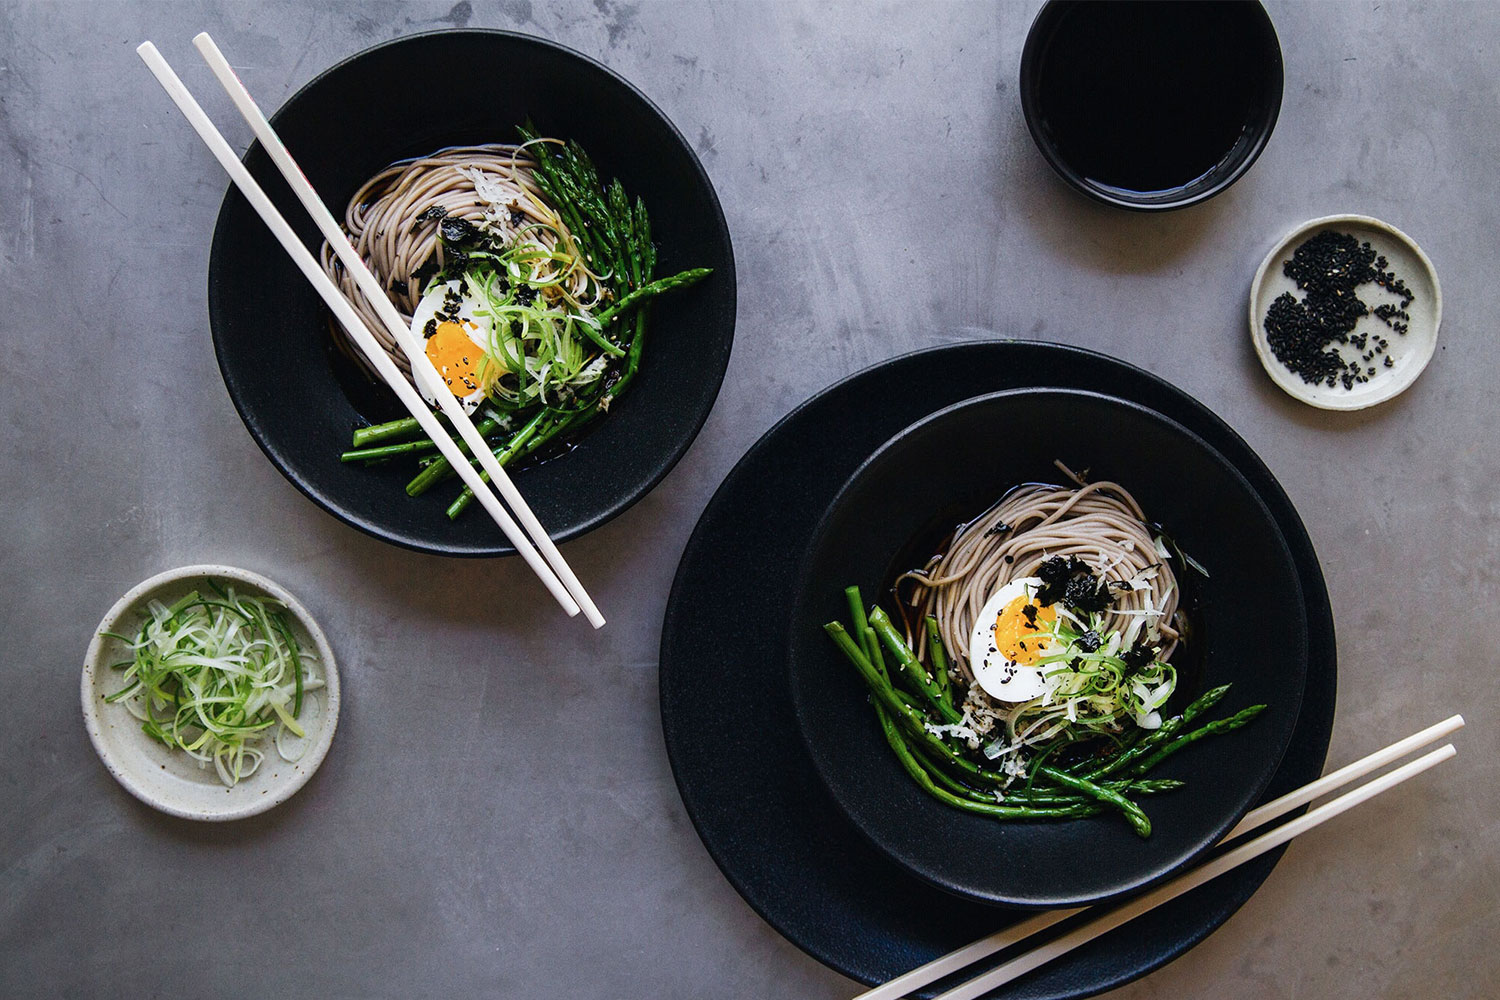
(999, 677)
(476, 326)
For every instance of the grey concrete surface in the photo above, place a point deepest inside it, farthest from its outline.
(497, 816)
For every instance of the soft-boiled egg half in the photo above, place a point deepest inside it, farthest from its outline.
(454, 337)
(1010, 635)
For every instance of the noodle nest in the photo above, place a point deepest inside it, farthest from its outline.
(395, 220)
(1099, 523)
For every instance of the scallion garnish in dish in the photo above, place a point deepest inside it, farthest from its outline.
(217, 677)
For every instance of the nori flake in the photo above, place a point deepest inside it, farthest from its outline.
(433, 214)
(1069, 579)
(458, 230)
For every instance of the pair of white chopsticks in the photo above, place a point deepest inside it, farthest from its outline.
(548, 563)
(1218, 865)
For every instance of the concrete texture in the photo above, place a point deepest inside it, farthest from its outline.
(497, 816)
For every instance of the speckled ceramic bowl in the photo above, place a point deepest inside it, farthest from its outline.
(168, 779)
(1408, 353)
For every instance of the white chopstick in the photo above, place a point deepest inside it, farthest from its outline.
(969, 954)
(1349, 772)
(1003, 974)
(376, 296)
(346, 315)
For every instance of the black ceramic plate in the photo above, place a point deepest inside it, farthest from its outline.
(740, 766)
(949, 468)
(300, 399)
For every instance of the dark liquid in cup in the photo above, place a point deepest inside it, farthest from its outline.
(1149, 97)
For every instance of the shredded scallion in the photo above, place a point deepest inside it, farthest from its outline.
(214, 676)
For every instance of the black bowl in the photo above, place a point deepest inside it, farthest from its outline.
(1151, 105)
(300, 399)
(1251, 631)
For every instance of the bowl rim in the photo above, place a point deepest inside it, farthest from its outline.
(1039, 900)
(1030, 58)
(247, 804)
(624, 500)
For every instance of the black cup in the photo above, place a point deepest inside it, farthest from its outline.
(1151, 105)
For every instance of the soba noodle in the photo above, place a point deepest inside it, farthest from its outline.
(394, 221)
(1100, 523)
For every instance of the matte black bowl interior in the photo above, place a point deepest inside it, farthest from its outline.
(1249, 617)
(1117, 93)
(300, 399)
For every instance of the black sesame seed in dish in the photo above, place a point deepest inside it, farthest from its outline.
(1344, 312)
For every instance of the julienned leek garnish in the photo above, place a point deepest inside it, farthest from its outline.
(216, 676)
(1093, 681)
(916, 710)
(559, 356)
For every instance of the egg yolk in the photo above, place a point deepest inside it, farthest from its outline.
(1020, 629)
(457, 358)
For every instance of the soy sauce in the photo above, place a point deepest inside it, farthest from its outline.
(1148, 97)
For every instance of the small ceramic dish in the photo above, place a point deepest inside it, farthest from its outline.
(169, 779)
(1408, 352)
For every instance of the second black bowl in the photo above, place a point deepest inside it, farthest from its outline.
(300, 399)
(1154, 104)
(1251, 632)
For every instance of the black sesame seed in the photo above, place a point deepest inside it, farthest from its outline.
(1329, 267)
